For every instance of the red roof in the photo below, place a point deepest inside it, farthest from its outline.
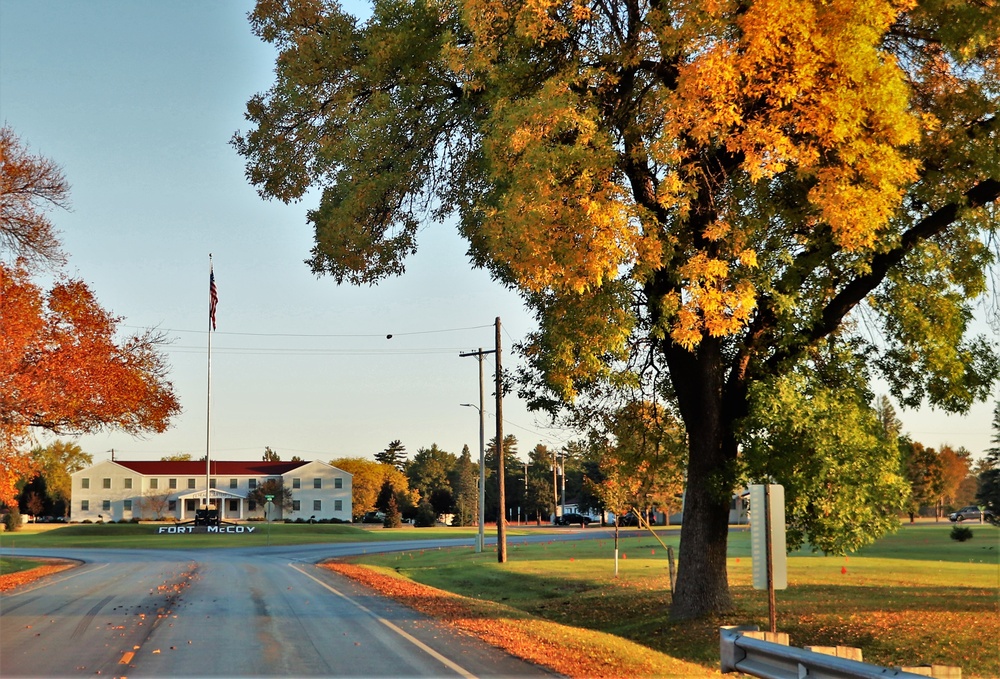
(218, 468)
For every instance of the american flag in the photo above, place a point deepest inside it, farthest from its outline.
(213, 296)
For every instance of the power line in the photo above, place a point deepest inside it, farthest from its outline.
(315, 335)
(264, 351)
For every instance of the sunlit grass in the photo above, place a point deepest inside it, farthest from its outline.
(145, 536)
(8, 565)
(916, 597)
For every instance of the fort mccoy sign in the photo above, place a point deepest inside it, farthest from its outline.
(186, 530)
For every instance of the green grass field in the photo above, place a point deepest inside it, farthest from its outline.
(8, 565)
(915, 597)
(144, 536)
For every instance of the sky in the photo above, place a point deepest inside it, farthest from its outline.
(137, 102)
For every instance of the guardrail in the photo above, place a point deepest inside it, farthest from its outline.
(741, 652)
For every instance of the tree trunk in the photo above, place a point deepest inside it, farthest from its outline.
(709, 414)
(702, 577)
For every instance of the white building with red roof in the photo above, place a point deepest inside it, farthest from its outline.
(118, 490)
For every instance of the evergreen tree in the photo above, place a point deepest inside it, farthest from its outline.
(393, 518)
(988, 495)
(511, 471)
(394, 455)
(465, 481)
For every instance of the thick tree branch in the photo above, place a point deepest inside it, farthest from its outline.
(980, 195)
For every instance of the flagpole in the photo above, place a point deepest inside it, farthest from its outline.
(212, 297)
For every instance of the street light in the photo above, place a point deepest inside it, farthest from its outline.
(482, 475)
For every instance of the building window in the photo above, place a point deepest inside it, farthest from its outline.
(106, 505)
(234, 505)
(154, 484)
(296, 505)
(234, 483)
(191, 484)
(105, 483)
(296, 483)
(317, 505)
(339, 482)
(85, 483)
(251, 505)
(173, 483)
(190, 505)
(85, 504)
(127, 505)
(253, 483)
(338, 505)
(128, 484)
(211, 483)
(172, 506)
(317, 483)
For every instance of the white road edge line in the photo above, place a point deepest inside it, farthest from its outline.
(461, 671)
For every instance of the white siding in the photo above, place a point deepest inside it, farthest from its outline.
(114, 497)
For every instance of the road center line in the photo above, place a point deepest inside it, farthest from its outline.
(461, 671)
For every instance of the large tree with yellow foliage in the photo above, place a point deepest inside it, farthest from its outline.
(714, 191)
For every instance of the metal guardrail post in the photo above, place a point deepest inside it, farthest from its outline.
(768, 660)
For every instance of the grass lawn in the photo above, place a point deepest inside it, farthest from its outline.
(916, 597)
(144, 536)
(8, 566)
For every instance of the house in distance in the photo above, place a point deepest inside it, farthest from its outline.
(118, 490)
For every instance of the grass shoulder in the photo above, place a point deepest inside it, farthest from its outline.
(147, 535)
(914, 597)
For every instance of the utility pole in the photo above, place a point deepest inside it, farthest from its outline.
(502, 514)
(555, 489)
(562, 463)
(480, 538)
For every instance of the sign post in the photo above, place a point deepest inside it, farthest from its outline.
(767, 543)
(267, 515)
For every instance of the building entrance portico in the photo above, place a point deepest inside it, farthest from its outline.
(220, 499)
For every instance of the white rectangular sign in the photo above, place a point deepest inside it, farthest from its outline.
(758, 536)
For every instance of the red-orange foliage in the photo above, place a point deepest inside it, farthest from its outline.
(21, 578)
(63, 369)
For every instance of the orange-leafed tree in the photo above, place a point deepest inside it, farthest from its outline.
(29, 186)
(707, 196)
(64, 368)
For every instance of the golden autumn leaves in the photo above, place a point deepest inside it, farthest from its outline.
(785, 86)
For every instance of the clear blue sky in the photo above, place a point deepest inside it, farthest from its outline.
(137, 102)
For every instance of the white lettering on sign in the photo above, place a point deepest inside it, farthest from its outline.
(208, 529)
(230, 529)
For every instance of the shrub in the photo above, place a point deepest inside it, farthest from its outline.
(426, 516)
(961, 533)
(392, 516)
(12, 519)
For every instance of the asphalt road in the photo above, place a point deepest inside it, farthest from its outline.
(228, 613)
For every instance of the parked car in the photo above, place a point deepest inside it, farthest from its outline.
(970, 512)
(629, 519)
(570, 519)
